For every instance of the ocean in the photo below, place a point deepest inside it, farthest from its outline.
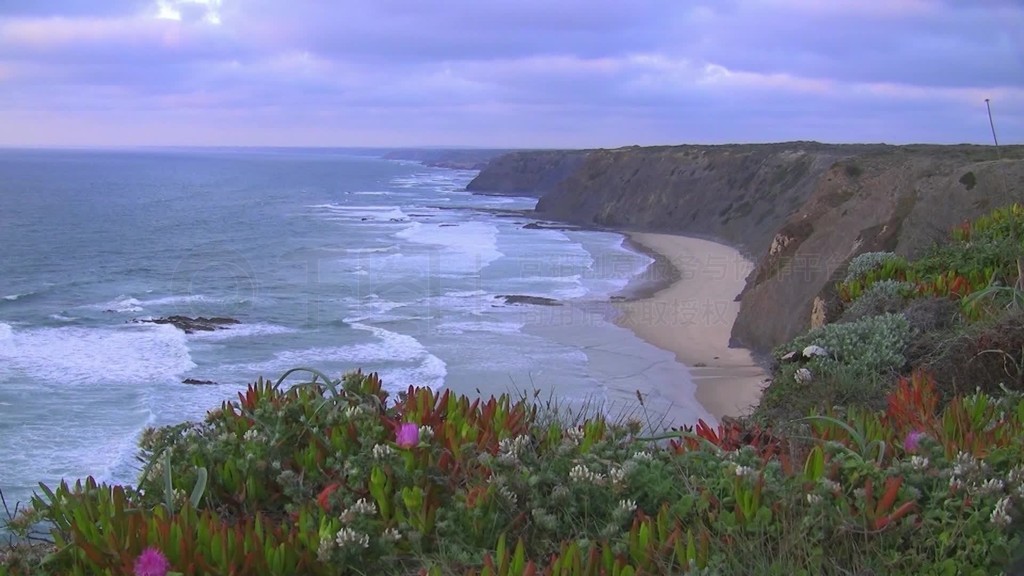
(327, 258)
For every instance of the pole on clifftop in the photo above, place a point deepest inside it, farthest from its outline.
(992, 124)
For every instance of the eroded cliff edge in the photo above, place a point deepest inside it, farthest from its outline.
(799, 210)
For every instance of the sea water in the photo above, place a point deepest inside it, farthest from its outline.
(329, 259)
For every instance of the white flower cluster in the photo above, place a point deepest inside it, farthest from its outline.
(503, 490)
(964, 464)
(575, 434)
(746, 472)
(1015, 477)
(362, 507)
(350, 537)
(581, 474)
(510, 449)
(813, 499)
(382, 451)
(625, 508)
(990, 487)
(919, 462)
(351, 412)
(347, 536)
(426, 433)
(617, 475)
(633, 461)
(156, 471)
(251, 435)
(643, 456)
(1001, 513)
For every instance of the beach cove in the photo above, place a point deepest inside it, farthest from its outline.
(692, 317)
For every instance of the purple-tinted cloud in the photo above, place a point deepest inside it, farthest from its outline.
(508, 73)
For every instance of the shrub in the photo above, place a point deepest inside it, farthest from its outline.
(866, 262)
(884, 296)
(489, 488)
(874, 344)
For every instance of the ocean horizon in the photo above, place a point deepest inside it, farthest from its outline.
(328, 258)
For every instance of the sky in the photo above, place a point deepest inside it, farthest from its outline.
(508, 73)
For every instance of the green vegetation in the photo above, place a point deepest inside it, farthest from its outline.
(336, 477)
(895, 447)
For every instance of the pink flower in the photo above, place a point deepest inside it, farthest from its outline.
(913, 440)
(151, 562)
(407, 435)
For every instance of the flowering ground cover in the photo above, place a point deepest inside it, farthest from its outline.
(335, 477)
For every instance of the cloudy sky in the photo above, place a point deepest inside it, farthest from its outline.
(508, 73)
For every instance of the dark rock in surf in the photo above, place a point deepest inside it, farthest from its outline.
(525, 299)
(192, 325)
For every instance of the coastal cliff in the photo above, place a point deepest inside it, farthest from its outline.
(799, 210)
(528, 173)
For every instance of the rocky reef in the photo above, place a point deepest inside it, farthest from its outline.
(190, 325)
(799, 210)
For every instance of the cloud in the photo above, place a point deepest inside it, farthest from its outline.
(508, 73)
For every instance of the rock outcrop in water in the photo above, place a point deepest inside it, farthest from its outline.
(799, 210)
(192, 325)
(526, 299)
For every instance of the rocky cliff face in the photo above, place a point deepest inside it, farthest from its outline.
(527, 173)
(799, 210)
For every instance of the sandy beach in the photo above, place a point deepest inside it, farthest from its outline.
(693, 316)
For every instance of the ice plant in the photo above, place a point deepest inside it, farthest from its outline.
(151, 562)
(407, 435)
(913, 440)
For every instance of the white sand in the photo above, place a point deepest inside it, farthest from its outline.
(693, 318)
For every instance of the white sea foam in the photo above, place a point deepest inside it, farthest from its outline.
(370, 307)
(242, 331)
(372, 250)
(129, 353)
(429, 374)
(63, 318)
(121, 304)
(387, 348)
(482, 326)
(13, 297)
(468, 247)
(475, 302)
(360, 213)
(174, 300)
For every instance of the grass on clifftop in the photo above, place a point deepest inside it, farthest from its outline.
(899, 450)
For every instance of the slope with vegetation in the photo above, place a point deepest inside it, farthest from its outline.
(893, 443)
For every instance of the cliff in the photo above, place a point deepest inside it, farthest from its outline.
(528, 173)
(799, 210)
